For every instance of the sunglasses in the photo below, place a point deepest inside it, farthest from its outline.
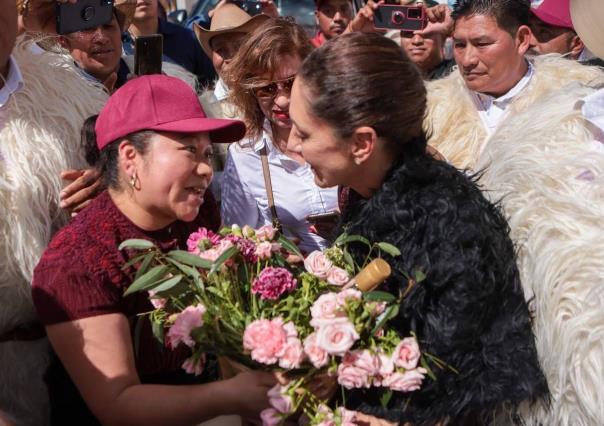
(270, 90)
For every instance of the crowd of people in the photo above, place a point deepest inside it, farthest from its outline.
(473, 145)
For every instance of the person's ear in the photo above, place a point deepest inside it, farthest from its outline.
(576, 47)
(129, 157)
(523, 39)
(364, 140)
(64, 42)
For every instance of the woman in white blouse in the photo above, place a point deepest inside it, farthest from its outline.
(260, 77)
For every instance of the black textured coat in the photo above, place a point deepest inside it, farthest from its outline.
(470, 311)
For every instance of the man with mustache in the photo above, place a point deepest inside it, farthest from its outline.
(332, 16)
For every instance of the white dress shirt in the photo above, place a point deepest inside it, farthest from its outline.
(244, 199)
(12, 84)
(493, 110)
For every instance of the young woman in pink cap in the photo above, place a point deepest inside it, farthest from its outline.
(154, 144)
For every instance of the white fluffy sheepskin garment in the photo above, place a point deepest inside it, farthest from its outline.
(39, 137)
(453, 122)
(547, 170)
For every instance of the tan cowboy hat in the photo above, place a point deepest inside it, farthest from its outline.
(228, 18)
(44, 11)
(588, 17)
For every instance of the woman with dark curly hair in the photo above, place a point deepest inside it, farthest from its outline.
(357, 106)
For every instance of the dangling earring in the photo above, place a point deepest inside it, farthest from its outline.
(133, 180)
(357, 161)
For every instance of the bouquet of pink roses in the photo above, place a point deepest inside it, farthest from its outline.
(238, 294)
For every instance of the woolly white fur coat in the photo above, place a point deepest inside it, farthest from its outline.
(544, 166)
(39, 137)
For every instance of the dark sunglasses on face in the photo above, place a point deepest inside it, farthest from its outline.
(270, 90)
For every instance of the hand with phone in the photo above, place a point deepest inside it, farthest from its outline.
(364, 19)
(324, 224)
(148, 54)
(82, 15)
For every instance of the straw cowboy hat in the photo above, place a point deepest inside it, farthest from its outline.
(44, 11)
(588, 17)
(228, 18)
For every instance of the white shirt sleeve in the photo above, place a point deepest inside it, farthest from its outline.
(238, 205)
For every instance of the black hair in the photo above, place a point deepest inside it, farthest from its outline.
(509, 14)
(363, 79)
(106, 160)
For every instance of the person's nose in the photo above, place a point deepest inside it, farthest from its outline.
(205, 170)
(282, 99)
(337, 16)
(469, 58)
(417, 39)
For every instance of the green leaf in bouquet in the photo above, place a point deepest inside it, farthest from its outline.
(379, 296)
(349, 260)
(136, 244)
(144, 265)
(147, 280)
(158, 330)
(390, 313)
(419, 276)
(424, 364)
(189, 259)
(389, 248)
(228, 253)
(134, 261)
(288, 245)
(346, 239)
(385, 398)
(167, 285)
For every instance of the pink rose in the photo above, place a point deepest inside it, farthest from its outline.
(366, 361)
(194, 366)
(276, 247)
(408, 381)
(352, 377)
(325, 307)
(376, 308)
(318, 264)
(316, 355)
(349, 294)
(279, 400)
(264, 250)
(265, 233)
(293, 354)
(270, 417)
(185, 322)
(406, 354)
(337, 276)
(290, 329)
(265, 339)
(337, 337)
(386, 369)
(157, 302)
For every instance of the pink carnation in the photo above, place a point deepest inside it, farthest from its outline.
(316, 355)
(186, 321)
(265, 233)
(318, 264)
(202, 240)
(264, 250)
(265, 339)
(194, 366)
(279, 400)
(270, 417)
(408, 381)
(246, 247)
(406, 354)
(272, 282)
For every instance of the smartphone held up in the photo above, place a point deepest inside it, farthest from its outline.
(148, 54)
(403, 18)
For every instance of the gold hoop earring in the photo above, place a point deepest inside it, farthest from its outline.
(133, 180)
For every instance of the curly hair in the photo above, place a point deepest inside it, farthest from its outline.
(259, 57)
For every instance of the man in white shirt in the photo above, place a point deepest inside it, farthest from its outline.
(494, 80)
(43, 103)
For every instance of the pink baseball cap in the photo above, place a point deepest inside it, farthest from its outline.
(555, 13)
(159, 102)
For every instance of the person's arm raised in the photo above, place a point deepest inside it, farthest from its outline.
(97, 352)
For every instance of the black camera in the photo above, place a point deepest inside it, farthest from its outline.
(251, 7)
(83, 15)
(403, 18)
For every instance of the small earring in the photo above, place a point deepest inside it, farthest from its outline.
(133, 180)
(357, 161)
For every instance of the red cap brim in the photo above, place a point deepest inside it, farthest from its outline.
(552, 20)
(220, 130)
